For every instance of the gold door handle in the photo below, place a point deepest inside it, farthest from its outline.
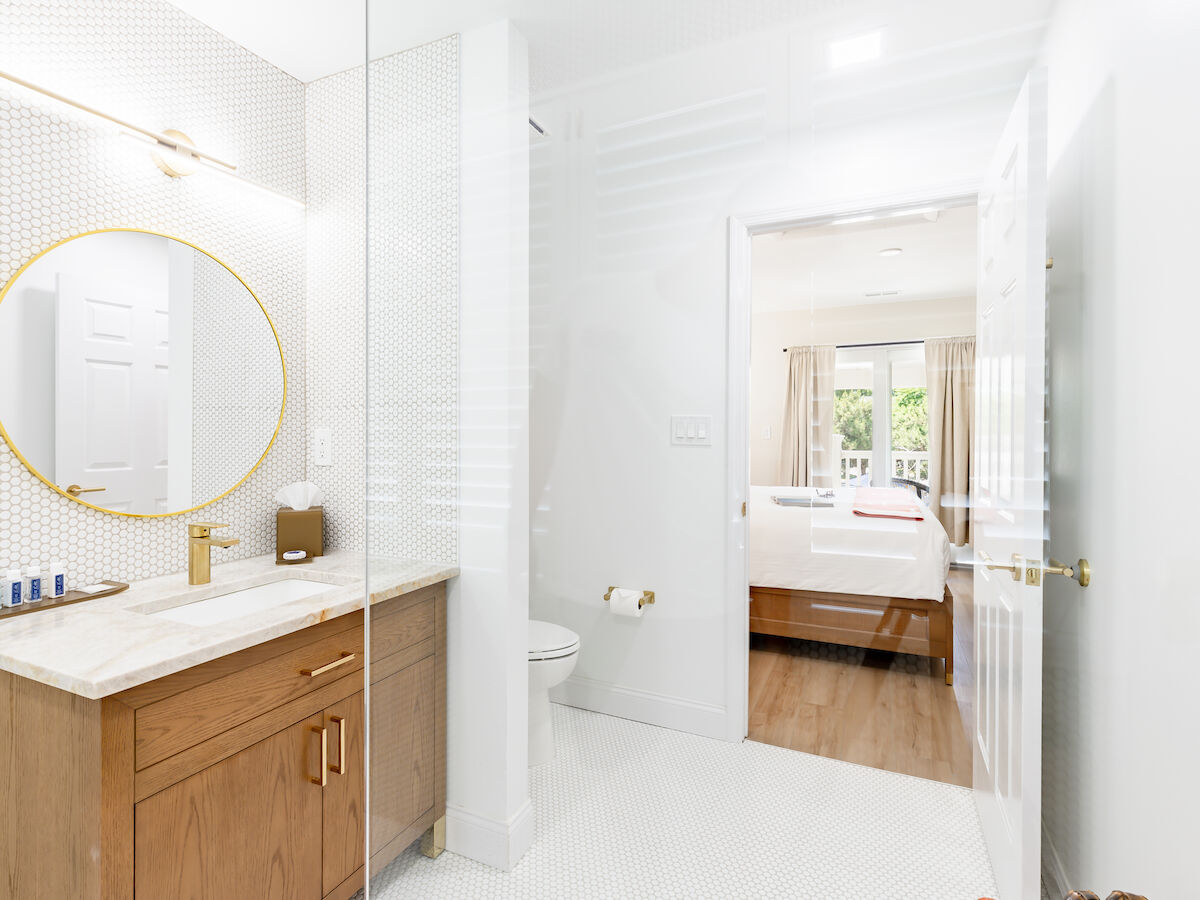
(75, 490)
(1014, 567)
(341, 768)
(1080, 572)
(328, 667)
(324, 777)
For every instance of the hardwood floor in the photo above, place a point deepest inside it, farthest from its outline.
(887, 710)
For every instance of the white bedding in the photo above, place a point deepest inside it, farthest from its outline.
(831, 549)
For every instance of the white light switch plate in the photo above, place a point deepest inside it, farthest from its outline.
(323, 446)
(691, 431)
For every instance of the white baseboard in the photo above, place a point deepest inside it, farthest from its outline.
(497, 844)
(1054, 874)
(664, 710)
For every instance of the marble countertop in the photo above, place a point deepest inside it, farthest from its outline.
(100, 647)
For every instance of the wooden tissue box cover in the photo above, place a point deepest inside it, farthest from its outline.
(300, 529)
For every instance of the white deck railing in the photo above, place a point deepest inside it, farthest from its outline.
(910, 464)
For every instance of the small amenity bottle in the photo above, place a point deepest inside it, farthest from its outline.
(14, 588)
(33, 584)
(56, 580)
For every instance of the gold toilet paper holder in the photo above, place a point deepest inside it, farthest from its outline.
(647, 598)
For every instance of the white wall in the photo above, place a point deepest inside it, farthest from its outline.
(1121, 737)
(770, 332)
(489, 817)
(630, 196)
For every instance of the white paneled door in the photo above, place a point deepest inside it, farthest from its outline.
(111, 393)
(1008, 495)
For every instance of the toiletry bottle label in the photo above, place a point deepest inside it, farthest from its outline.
(14, 593)
(60, 585)
(35, 589)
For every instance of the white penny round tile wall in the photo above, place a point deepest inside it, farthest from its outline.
(408, 360)
(63, 173)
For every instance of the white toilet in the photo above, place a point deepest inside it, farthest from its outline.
(552, 653)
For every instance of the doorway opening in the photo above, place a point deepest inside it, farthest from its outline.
(861, 357)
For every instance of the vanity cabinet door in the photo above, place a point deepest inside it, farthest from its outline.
(249, 826)
(403, 744)
(344, 817)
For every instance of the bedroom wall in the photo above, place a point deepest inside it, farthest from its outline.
(770, 332)
(1120, 737)
(630, 197)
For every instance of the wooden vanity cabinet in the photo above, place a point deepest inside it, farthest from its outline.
(240, 778)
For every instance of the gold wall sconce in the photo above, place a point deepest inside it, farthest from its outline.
(172, 150)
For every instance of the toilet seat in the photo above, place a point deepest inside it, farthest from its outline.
(550, 641)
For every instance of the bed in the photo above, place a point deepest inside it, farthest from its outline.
(822, 573)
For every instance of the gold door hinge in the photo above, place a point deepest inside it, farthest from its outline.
(743, 509)
(1050, 262)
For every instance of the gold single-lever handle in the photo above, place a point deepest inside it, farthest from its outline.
(324, 777)
(328, 667)
(1015, 567)
(203, 529)
(340, 768)
(1080, 572)
(75, 490)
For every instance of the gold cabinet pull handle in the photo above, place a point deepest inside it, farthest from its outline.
(324, 777)
(329, 667)
(1081, 572)
(75, 490)
(1014, 567)
(340, 768)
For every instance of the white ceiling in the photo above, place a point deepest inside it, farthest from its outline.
(838, 265)
(574, 39)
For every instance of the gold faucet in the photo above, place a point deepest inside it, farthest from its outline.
(200, 544)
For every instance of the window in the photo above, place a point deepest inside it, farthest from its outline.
(881, 415)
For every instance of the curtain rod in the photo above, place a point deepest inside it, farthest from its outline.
(880, 344)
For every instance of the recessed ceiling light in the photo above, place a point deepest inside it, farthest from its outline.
(891, 251)
(881, 293)
(853, 50)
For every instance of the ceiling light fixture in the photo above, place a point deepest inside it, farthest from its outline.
(891, 251)
(881, 293)
(854, 50)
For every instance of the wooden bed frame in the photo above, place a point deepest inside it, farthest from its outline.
(898, 624)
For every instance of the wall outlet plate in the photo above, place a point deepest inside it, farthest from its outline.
(323, 446)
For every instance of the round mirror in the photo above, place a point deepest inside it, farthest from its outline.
(138, 374)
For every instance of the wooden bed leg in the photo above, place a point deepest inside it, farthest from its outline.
(948, 603)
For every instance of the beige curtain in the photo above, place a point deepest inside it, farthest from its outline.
(950, 389)
(806, 457)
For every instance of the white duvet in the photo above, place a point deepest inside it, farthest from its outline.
(831, 549)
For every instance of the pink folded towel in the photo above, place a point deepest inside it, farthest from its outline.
(886, 503)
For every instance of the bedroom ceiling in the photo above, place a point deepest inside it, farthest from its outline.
(839, 265)
(571, 40)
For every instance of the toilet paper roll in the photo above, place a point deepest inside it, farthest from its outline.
(624, 602)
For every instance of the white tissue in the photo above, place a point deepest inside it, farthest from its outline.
(301, 495)
(624, 602)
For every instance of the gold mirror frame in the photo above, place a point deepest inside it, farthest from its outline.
(282, 365)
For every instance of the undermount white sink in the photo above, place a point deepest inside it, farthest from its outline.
(235, 604)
